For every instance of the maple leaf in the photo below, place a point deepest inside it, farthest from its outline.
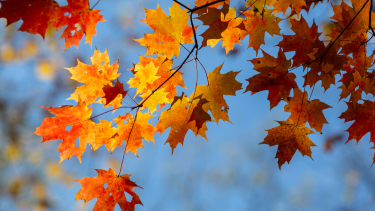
(304, 110)
(95, 77)
(213, 19)
(113, 95)
(360, 61)
(81, 20)
(356, 86)
(224, 26)
(133, 131)
(309, 51)
(364, 117)
(200, 3)
(357, 79)
(257, 24)
(273, 76)
(36, 15)
(164, 72)
(283, 5)
(54, 128)
(290, 137)
(324, 69)
(107, 198)
(258, 5)
(303, 42)
(175, 117)
(356, 28)
(104, 134)
(219, 85)
(170, 32)
(157, 97)
(179, 117)
(144, 76)
(199, 115)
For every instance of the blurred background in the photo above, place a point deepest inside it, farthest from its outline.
(230, 172)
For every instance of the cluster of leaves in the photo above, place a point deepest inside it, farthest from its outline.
(155, 80)
(39, 15)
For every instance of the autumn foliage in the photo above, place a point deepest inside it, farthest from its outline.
(343, 56)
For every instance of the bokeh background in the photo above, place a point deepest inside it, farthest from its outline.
(230, 172)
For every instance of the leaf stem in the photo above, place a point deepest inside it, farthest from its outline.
(126, 141)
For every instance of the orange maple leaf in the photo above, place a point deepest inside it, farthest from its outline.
(105, 134)
(289, 137)
(81, 20)
(303, 110)
(356, 27)
(95, 77)
(179, 117)
(256, 25)
(170, 32)
(54, 128)
(133, 131)
(107, 198)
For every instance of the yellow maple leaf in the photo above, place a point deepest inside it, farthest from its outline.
(170, 32)
(159, 97)
(144, 77)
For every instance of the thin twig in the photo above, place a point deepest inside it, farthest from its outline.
(195, 58)
(313, 1)
(95, 4)
(329, 47)
(126, 142)
(141, 104)
(203, 6)
(110, 111)
(182, 5)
